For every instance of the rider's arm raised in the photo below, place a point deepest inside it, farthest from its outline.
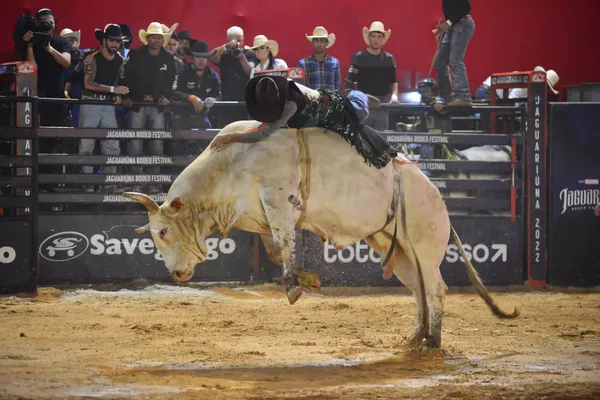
(267, 129)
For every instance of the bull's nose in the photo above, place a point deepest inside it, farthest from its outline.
(181, 276)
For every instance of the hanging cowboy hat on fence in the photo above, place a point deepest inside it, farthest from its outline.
(155, 28)
(321, 33)
(376, 27)
(551, 77)
(111, 31)
(261, 40)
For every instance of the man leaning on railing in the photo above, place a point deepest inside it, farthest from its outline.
(102, 70)
(149, 74)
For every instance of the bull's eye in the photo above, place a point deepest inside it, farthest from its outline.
(163, 232)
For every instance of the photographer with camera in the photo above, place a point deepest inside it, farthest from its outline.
(52, 54)
(235, 64)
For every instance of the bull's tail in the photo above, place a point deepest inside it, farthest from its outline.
(478, 285)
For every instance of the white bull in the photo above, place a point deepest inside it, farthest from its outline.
(313, 180)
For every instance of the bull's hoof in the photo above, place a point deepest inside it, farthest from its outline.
(293, 293)
(416, 340)
(310, 280)
(431, 343)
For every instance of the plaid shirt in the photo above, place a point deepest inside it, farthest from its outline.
(321, 74)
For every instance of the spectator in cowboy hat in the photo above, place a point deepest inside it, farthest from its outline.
(373, 72)
(102, 71)
(126, 30)
(322, 70)
(72, 75)
(265, 51)
(197, 83)
(149, 73)
(185, 42)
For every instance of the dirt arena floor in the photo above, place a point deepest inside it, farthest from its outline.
(176, 342)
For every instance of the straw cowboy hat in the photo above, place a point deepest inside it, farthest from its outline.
(67, 33)
(552, 77)
(170, 31)
(155, 28)
(261, 40)
(321, 33)
(375, 27)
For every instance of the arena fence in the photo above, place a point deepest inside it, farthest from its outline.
(497, 207)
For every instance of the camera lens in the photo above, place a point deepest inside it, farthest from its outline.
(236, 52)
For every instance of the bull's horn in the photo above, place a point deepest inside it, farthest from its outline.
(143, 229)
(146, 200)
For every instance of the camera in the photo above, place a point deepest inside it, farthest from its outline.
(40, 29)
(236, 52)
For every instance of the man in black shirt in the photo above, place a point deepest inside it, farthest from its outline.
(51, 57)
(196, 83)
(235, 64)
(373, 71)
(149, 74)
(457, 31)
(102, 69)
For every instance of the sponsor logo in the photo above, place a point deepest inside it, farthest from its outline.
(359, 251)
(362, 253)
(433, 138)
(138, 179)
(7, 254)
(127, 134)
(140, 160)
(578, 200)
(296, 73)
(590, 182)
(25, 68)
(537, 77)
(439, 184)
(432, 166)
(510, 79)
(479, 253)
(117, 198)
(64, 246)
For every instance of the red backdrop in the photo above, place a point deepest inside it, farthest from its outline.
(510, 34)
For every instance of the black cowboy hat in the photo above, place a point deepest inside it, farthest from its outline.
(111, 31)
(184, 35)
(200, 49)
(266, 96)
(126, 30)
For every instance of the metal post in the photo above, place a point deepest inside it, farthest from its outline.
(34, 194)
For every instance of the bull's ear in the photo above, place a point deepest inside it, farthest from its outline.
(177, 204)
(143, 229)
(174, 206)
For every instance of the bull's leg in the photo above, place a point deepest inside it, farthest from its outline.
(406, 273)
(306, 278)
(282, 216)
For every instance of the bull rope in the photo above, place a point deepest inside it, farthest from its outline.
(305, 163)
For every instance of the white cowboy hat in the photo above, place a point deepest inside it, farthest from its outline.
(170, 31)
(67, 33)
(155, 28)
(321, 33)
(375, 27)
(261, 40)
(552, 79)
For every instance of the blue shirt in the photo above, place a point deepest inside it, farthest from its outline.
(321, 74)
